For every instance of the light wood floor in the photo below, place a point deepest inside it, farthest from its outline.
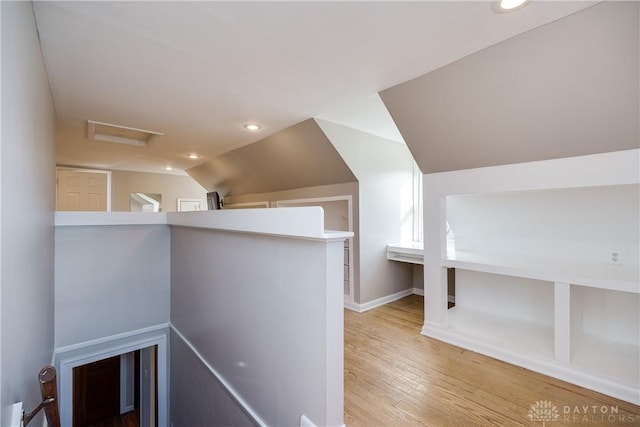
(394, 376)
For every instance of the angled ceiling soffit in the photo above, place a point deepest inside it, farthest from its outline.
(568, 88)
(300, 156)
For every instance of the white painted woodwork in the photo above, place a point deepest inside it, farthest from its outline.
(80, 354)
(302, 222)
(12, 415)
(127, 392)
(541, 296)
(410, 252)
(69, 219)
(562, 322)
(622, 277)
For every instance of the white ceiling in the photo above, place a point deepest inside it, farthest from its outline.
(198, 71)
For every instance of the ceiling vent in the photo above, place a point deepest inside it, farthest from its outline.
(119, 134)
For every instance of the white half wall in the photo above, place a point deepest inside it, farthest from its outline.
(332, 217)
(26, 217)
(264, 315)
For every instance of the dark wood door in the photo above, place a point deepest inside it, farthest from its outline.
(96, 391)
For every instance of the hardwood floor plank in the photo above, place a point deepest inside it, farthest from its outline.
(394, 376)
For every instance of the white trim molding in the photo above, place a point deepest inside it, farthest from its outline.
(70, 357)
(361, 308)
(232, 392)
(306, 422)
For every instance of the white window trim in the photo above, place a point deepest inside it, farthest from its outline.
(417, 204)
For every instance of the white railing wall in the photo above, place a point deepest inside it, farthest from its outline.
(253, 300)
(262, 310)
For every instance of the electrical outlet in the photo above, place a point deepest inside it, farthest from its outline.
(615, 257)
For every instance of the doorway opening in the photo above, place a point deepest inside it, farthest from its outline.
(113, 380)
(117, 391)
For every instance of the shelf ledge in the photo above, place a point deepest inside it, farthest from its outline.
(412, 253)
(622, 277)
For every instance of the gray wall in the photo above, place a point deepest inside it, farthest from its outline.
(297, 157)
(384, 170)
(567, 88)
(273, 331)
(26, 216)
(171, 187)
(192, 381)
(114, 278)
(348, 189)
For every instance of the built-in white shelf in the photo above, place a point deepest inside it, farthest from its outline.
(617, 277)
(406, 252)
(609, 359)
(510, 334)
(533, 285)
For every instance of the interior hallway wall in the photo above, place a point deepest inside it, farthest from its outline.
(171, 187)
(115, 278)
(193, 380)
(27, 178)
(384, 170)
(347, 189)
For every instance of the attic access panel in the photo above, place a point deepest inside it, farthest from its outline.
(119, 134)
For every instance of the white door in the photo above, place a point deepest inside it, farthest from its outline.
(81, 191)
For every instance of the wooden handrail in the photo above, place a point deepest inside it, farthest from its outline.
(49, 392)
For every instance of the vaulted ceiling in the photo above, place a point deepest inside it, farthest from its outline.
(198, 71)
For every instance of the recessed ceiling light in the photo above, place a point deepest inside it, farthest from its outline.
(193, 156)
(169, 168)
(252, 127)
(511, 5)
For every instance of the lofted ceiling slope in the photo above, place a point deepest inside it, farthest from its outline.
(297, 157)
(198, 71)
(569, 88)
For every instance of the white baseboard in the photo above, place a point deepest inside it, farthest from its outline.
(361, 308)
(352, 306)
(306, 422)
(553, 368)
(12, 415)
